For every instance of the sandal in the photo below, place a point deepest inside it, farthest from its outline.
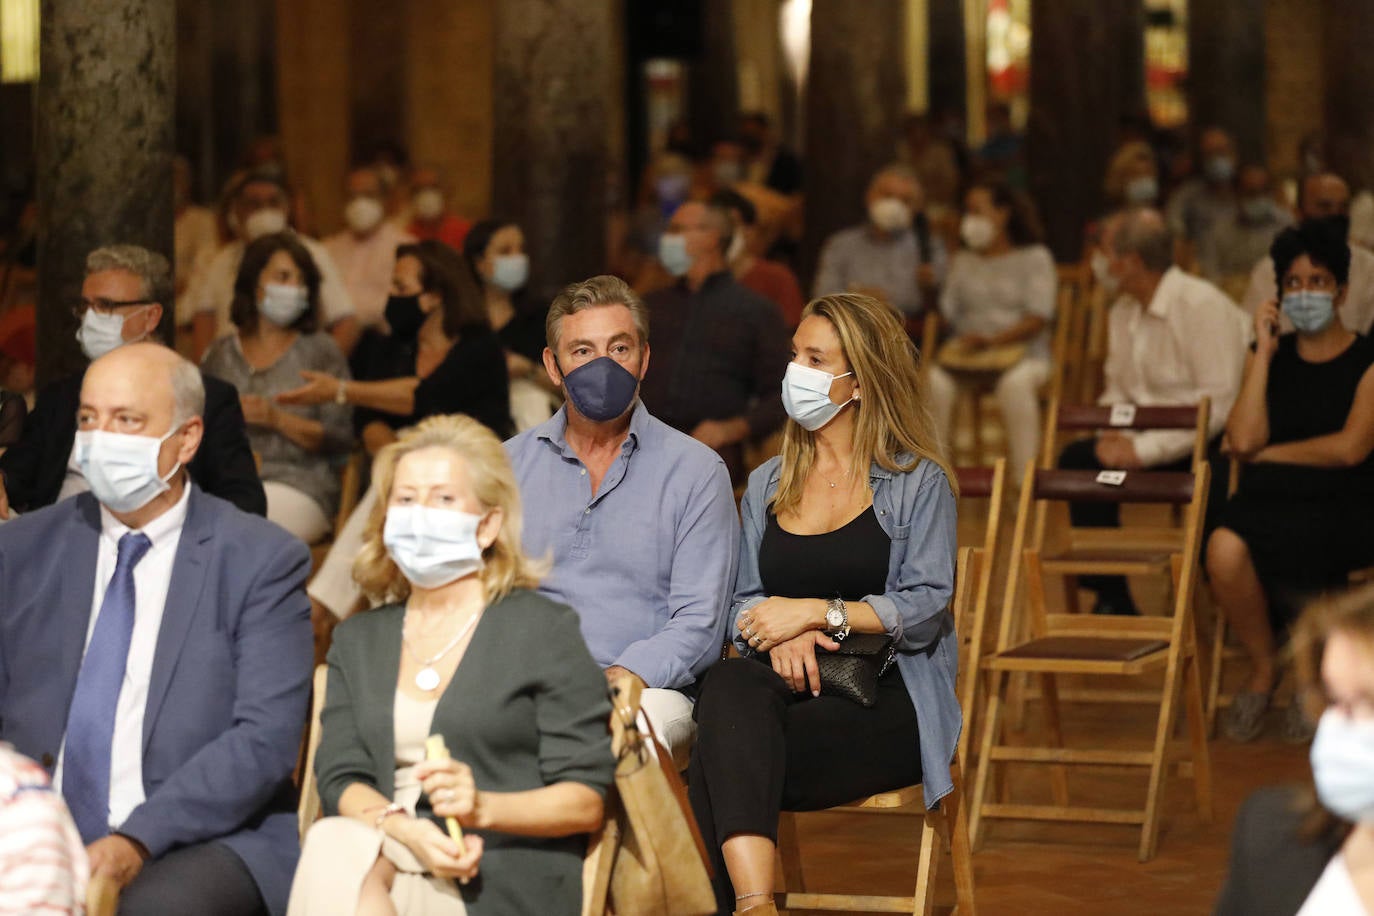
(1243, 720)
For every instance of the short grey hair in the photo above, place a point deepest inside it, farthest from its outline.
(597, 291)
(188, 390)
(1145, 232)
(151, 268)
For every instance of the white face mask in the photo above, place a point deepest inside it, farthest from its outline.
(977, 231)
(432, 547)
(121, 469)
(99, 333)
(363, 214)
(736, 249)
(428, 203)
(806, 396)
(890, 214)
(283, 303)
(510, 271)
(1343, 766)
(1102, 272)
(267, 221)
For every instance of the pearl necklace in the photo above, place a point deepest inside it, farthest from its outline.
(427, 679)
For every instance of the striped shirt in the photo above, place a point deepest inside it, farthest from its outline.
(43, 865)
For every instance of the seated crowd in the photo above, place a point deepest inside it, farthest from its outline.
(549, 504)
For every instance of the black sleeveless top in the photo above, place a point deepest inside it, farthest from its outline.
(849, 562)
(1306, 400)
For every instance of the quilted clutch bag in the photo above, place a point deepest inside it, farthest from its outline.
(852, 671)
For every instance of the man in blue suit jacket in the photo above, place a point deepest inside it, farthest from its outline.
(155, 652)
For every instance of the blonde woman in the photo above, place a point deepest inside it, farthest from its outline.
(1296, 851)
(460, 648)
(850, 531)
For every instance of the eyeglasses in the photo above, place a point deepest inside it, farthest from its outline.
(104, 306)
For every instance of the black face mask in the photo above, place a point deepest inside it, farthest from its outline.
(404, 317)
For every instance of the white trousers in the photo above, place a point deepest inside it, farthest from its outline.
(1018, 397)
(333, 585)
(670, 713)
(299, 514)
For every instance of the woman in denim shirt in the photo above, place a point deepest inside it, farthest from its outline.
(851, 529)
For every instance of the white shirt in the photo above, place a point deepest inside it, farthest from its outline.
(1189, 344)
(1334, 893)
(366, 265)
(1357, 313)
(212, 287)
(152, 577)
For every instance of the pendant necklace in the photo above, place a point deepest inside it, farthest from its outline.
(427, 678)
(829, 481)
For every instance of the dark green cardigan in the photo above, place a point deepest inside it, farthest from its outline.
(526, 708)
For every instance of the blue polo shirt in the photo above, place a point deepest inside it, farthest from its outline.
(648, 561)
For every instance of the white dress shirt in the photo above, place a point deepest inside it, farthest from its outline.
(212, 288)
(152, 577)
(1334, 894)
(1189, 344)
(1357, 313)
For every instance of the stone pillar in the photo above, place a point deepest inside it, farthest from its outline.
(103, 150)
(945, 22)
(1293, 80)
(557, 74)
(1086, 72)
(1349, 74)
(712, 76)
(855, 93)
(1226, 71)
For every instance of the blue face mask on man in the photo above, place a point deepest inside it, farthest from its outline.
(601, 390)
(1311, 311)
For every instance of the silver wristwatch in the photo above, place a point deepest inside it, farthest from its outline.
(836, 619)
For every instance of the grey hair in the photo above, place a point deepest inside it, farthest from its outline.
(188, 390)
(597, 291)
(1145, 232)
(151, 268)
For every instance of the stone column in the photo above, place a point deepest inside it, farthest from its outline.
(712, 76)
(1086, 72)
(1349, 74)
(103, 150)
(945, 22)
(557, 74)
(1226, 71)
(855, 93)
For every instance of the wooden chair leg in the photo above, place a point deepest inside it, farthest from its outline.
(978, 452)
(961, 853)
(789, 851)
(1215, 674)
(927, 864)
(1197, 733)
(992, 725)
(1049, 701)
(1164, 729)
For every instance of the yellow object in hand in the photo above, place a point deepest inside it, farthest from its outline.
(436, 749)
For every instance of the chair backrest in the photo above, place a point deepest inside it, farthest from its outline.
(1085, 418)
(102, 896)
(350, 484)
(308, 809)
(1066, 350)
(973, 587)
(1175, 487)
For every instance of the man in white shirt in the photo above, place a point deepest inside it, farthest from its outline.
(365, 252)
(1321, 196)
(259, 206)
(1173, 339)
(155, 654)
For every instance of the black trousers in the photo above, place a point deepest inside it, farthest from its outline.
(208, 879)
(762, 749)
(1082, 456)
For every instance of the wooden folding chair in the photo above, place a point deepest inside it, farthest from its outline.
(1059, 644)
(1075, 282)
(102, 896)
(974, 588)
(308, 808)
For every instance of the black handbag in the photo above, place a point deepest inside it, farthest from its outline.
(852, 670)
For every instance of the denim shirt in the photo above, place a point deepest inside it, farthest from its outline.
(917, 511)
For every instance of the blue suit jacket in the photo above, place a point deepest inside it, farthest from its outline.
(230, 679)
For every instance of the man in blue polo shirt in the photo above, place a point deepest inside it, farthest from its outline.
(639, 519)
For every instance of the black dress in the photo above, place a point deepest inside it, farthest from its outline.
(1307, 527)
(762, 749)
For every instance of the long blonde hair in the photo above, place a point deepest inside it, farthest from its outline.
(504, 564)
(893, 427)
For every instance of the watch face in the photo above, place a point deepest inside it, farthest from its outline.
(834, 617)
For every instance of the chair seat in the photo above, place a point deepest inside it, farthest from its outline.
(1095, 555)
(899, 798)
(1085, 651)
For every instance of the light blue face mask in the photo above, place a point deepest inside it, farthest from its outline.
(1343, 766)
(806, 396)
(1310, 311)
(672, 252)
(432, 547)
(510, 271)
(1143, 189)
(100, 333)
(121, 469)
(283, 303)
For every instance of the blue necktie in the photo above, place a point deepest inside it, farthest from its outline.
(91, 718)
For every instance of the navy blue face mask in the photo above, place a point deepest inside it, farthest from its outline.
(601, 390)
